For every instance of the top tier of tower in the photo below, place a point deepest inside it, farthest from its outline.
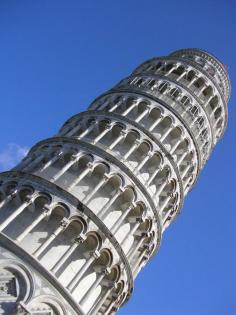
(193, 76)
(210, 64)
(205, 62)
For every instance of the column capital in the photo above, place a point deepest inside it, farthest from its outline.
(64, 223)
(80, 239)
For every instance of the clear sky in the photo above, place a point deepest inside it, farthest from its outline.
(57, 56)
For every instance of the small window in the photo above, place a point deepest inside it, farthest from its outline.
(139, 82)
(194, 110)
(130, 101)
(152, 83)
(157, 66)
(218, 112)
(204, 133)
(200, 121)
(185, 100)
(208, 91)
(168, 67)
(190, 75)
(199, 83)
(179, 71)
(163, 87)
(174, 93)
(213, 102)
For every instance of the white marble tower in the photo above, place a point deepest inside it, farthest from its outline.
(85, 210)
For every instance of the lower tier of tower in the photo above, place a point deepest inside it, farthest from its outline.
(56, 255)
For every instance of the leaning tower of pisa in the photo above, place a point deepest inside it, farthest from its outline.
(85, 210)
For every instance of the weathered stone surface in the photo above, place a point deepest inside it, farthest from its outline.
(85, 210)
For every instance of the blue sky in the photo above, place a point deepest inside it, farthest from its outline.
(57, 56)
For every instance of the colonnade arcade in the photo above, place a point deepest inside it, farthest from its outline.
(68, 243)
(85, 210)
